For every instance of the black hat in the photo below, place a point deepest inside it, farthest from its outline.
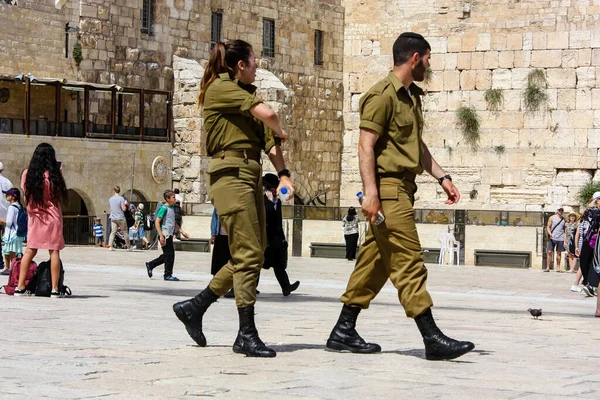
(270, 181)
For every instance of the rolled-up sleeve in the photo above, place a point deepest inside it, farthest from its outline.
(230, 98)
(375, 112)
(269, 139)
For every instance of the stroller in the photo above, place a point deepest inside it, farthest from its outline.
(119, 242)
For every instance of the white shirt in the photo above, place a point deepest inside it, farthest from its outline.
(5, 184)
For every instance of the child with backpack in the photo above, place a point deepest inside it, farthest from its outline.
(16, 228)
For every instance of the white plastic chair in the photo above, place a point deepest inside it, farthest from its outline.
(450, 246)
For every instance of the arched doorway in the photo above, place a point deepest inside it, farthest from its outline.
(137, 197)
(77, 223)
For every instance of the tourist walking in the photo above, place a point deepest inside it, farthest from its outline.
(350, 227)
(118, 206)
(5, 184)
(45, 190)
(165, 227)
(178, 207)
(140, 231)
(14, 233)
(236, 122)
(276, 253)
(556, 239)
(391, 155)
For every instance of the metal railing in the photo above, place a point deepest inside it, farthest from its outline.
(77, 229)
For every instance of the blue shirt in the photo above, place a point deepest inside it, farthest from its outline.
(97, 230)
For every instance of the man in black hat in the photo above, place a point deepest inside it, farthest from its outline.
(276, 254)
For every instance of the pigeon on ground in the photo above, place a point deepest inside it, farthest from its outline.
(535, 312)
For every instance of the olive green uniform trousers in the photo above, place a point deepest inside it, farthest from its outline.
(392, 250)
(236, 192)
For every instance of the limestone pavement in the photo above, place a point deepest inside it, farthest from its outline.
(117, 337)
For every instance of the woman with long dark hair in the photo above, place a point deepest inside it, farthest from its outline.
(350, 226)
(238, 127)
(45, 190)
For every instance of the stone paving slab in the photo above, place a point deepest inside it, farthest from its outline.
(117, 337)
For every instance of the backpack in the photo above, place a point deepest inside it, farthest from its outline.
(13, 279)
(148, 222)
(43, 281)
(591, 236)
(22, 221)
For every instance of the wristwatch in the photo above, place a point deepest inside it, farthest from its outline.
(284, 172)
(441, 180)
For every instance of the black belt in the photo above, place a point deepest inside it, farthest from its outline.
(410, 176)
(245, 154)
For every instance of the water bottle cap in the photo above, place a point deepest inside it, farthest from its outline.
(359, 194)
(283, 190)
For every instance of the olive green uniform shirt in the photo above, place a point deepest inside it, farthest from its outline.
(397, 117)
(227, 119)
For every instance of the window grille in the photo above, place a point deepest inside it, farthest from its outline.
(216, 28)
(268, 38)
(318, 47)
(147, 16)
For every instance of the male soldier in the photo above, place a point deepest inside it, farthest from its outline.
(391, 153)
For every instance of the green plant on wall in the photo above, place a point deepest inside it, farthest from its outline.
(468, 122)
(77, 53)
(494, 99)
(586, 192)
(535, 97)
(428, 76)
(499, 149)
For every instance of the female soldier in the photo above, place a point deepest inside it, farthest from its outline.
(238, 126)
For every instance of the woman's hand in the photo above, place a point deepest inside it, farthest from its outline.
(285, 181)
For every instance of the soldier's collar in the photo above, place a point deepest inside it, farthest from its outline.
(247, 87)
(414, 89)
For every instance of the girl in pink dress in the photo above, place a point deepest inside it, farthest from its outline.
(45, 190)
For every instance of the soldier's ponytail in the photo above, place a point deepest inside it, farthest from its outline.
(224, 57)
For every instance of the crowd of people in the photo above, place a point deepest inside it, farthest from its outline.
(247, 230)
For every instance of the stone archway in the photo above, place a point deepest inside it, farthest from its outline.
(78, 203)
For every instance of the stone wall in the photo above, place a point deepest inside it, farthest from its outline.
(33, 38)
(524, 160)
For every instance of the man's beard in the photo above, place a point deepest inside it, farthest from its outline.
(418, 73)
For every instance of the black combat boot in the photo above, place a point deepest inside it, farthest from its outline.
(191, 311)
(437, 345)
(344, 337)
(247, 341)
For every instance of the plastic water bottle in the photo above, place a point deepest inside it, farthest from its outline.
(380, 216)
(284, 193)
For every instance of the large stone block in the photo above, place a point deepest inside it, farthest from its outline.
(469, 42)
(464, 61)
(540, 41)
(483, 42)
(451, 80)
(583, 99)
(477, 60)
(580, 39)
(514, 41)
(570, 59)
(467, 80)
(586, 77)
(546, 58)
(490, 59)
(575, 177)
(561, 78)
(483, 80)
(558, 40)
(506, 59)
(501, 79)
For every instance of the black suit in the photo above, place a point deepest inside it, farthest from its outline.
(276, 255)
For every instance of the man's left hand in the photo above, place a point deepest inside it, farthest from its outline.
(451, 191)
(284, 181)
